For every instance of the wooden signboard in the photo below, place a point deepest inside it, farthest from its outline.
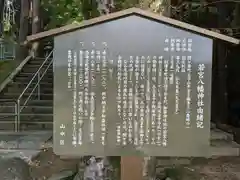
(132, 86)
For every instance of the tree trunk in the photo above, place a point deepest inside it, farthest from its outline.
(1, 17)
(35, 23)
(16, 26)
(22, 50)
(222, 99)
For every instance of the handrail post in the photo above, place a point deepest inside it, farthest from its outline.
(38, 81)
(18, 115)
(16, 118)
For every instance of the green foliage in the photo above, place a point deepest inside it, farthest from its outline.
(62, 12)
(124, 4)
(89, 9)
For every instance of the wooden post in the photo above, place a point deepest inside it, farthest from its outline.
(131, 168)
(22, 50)
(222, 86)
(1, 17)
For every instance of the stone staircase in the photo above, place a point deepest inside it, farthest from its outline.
(38, 111)
(223, 144)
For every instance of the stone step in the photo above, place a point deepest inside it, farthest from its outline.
(27, 109)
(28, 79)
(25, 116)
(31, 102)
(24, 85)
(34, 69)
(29, 90)
(217, 134)
(35, 122)
(213, 126)
(218, 148)
(39, 59)
(236, 135)
(49, 74)
(26, 127)
(15, 89)
(224, 148)
(41, 102)
(35, 62)
(42, 83)
(26, 95)
(38, 66)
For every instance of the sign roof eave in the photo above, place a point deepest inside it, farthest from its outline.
(131, 11)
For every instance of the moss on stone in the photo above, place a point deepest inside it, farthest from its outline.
(6, 67)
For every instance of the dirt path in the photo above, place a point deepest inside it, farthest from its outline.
(47, 164)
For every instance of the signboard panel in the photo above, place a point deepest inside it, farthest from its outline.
(132, 86)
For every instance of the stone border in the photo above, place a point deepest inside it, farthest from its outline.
(14, 73)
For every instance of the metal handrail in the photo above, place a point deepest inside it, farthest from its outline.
(18, 107)
(16, 127)
(35, 75)
(39, 78)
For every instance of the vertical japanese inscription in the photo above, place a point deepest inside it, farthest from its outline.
(130, 101)
(86, 87)
(80, 97)
(119, 97)
(92, 96)
(189, 97)
(154, 100)
(136, 100)
(74, 142)
(124, 102)
(69, 69)
(142, 104)
(148, 99)
(177, 84)
(159, 103)
(104, 73)
(171, 71)
(200, 96)
(165, 103)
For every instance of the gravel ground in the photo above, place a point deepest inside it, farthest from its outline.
(14, 169)
(219, 168)
(47, 164)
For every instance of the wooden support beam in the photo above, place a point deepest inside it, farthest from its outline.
(131, 168)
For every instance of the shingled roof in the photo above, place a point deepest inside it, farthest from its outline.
(128, 12)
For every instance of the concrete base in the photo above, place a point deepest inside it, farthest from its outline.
(23, 146)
